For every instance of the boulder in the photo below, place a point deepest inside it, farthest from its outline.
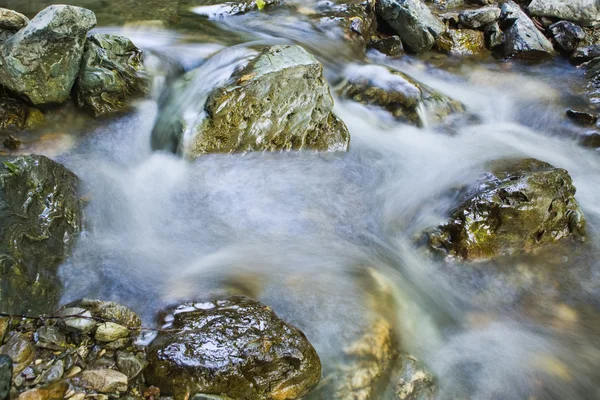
(412, 20)
(521, 206)
(41, 61)
(279, 102)
(112, 72)
(404, 98)
(522, 39)
(462, 42)
(41, 217)
(479, 18)
(571, 10)
(16, 115)
(567, 36)
(234, 347)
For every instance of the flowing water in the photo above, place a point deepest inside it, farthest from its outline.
(328, 239)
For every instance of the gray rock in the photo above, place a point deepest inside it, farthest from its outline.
(279, 102)
(112, 72)
(54, 373)
(567, 36)
(11, 20)
(73, 323)
(479, 18)
(403, 97)
(236, 347)
(109, 332)
(5, 376)
(493, 36)
(32, 247)
(412, 21)
(571, 10)
(522, 39)
(104, 380)
(585, 54)
(109, 311)
(50, 337)
(41, 61)
(130, 364)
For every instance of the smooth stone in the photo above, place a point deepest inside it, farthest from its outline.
(12, 20)
(582, 117)
(74, 324)
(41, 61)
(567, 36)
(54, 391)
(104, 380)
(570, 10)
(109, 332)
(479, 18)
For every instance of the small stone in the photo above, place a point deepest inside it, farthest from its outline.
(479, 18)
(390, 46)
(104, 380)
(585, 54)
(117, 344)
(5, 376)
(567, 36)
(75, 370)
(582, 117)
(130, 364)
(55, 391)
(85, 324)
(54, 373)
(50, 337)
(12, 20)
(109, 331)
(20, 350)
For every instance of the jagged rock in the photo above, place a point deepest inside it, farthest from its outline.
(390, 46)
(480, 18)
(17, 115)
(236, 347)
(493, 36)
(521, 206)
(109, 332)
(130, 364)
(462, 42)
(570, 10)
(522, 39)
(585, 54)
(41, 217)
(5, 376)
(229, 8)
(11, 20)
(41, 61)
(104, 380)
(412, 21)
(397, 93)
(279, 101)
(78, 320)
(112, 72)
(567, 36)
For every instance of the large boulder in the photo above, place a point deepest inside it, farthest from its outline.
(412, 20)
(41, 217)
(112, 72)
(41, 61)
(522, 39)
(403, 97)
(521, 206)
(571, 10)
(279, 101)
(235, 347)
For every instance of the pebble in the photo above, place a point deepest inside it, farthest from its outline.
(110, 331)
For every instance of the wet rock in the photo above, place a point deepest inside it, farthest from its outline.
(104, 380)
(592, 140)
(41, 61)
(567, 36)
(5, 376)
(11, 143)
(520, 207)
(55, 391)
(462, 42)
(109, 332)
(582, 117)
(112, 72)
(77, 320)
(19, 349)
(11, 20)
(412, 21)
(390, 46)
(228, 8)
(130, 364)
(570, 10)
(493, 36)
(406, 99)
(51, 337)
(236, 347)
(110, 311)
(54, 373)
(411, 381)
(585, 54)
(279, 101)
(522, 39)
(476, 19)
(17, 115)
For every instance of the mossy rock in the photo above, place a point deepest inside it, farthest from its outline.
(41, 218)
(462, 42)
(16, 115)
(521, 206)
(236, 348)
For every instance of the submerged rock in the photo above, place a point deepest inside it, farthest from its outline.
(462, 42)
(522, 39)
(412, 21)
(390, 46)
(236, 347)
(41, 217)
(279, 101)
(41, 61)
(112, 72)
(17, 115)
(521, 206)
(406, 99)
(567, 36)
(571, 10)
(585, 54)
(412, 381)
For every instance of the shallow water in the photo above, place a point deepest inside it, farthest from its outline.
(306, 233)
